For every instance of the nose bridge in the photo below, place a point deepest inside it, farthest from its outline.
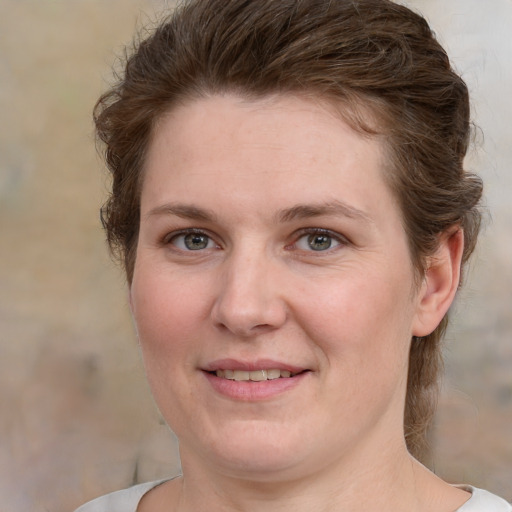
(248, 300)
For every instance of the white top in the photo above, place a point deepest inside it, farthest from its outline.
(128, 500)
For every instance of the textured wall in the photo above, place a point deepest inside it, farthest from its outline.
(76, 418)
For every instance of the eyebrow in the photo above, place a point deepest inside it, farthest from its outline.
(184, 211)
(336, 208)
(297, 212)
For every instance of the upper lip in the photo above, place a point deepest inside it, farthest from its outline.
(258, 364)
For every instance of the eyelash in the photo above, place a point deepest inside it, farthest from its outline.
(336, 237)
(169, 238)
(333, 236)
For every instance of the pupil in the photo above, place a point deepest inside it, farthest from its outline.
(195, 241)
(319, 242)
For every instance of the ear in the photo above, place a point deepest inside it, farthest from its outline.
(440, 283)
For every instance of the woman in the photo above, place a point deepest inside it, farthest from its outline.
(291, 209)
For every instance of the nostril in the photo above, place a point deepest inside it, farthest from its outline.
(247, 310)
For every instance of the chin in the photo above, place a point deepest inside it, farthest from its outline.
(256, 450)
(260, 466)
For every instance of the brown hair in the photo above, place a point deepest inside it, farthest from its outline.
(370, 56)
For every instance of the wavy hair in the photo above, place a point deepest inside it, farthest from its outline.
(378, 61)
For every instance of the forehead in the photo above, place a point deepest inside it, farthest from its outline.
(301, 125)
(281, 148)
(365, 116)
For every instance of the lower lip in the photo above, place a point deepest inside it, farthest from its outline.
(250, 391)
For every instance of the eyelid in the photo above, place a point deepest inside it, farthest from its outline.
(169, 237)
(342, 240)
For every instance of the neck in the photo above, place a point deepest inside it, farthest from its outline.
(356, 483)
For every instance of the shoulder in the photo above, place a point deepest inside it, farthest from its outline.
(483, 501)
(126, 500)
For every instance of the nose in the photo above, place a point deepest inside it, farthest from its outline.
(249, 301)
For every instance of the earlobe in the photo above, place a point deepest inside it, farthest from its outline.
(440, 283)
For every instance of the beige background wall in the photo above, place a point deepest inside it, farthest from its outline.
(76, 419)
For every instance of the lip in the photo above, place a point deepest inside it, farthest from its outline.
(248, 391)
(259, 364)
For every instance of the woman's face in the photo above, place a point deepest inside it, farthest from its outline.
(271, 248)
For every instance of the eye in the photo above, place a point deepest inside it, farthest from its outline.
(318, 240)
(192, 241)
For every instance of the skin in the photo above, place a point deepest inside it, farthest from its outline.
(257, 181)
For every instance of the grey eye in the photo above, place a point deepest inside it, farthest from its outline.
(192, 241)
(319, 242)
(196, 241)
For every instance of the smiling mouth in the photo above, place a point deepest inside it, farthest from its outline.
(254, 375)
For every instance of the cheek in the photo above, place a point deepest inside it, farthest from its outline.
(361, 323)
(168, 313)
(359, 331)
(168, 320)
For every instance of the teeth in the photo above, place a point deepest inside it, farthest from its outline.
(255, 376)
(273, 374)
(258, 375)
(241, 375)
